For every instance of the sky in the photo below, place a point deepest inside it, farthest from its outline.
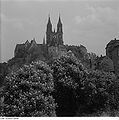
(92, 23)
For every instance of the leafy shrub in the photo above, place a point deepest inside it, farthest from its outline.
(68, 73)
(28, 92)
(100, 91)
(3, 72)
(106, 64)
(82, 92)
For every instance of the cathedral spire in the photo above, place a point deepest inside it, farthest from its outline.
(59, 25)
(59, 21)
(49, 21)
(49, 25)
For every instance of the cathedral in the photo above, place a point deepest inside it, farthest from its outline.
(54, 38)
(52, 47)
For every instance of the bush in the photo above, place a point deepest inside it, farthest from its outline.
(83, 92)
(28, 92)
(68, 73)
(100, 91)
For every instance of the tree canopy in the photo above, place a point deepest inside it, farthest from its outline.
(28, 92)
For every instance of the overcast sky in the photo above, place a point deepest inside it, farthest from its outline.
(92, 23)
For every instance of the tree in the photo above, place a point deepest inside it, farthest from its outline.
(68, 73)
(28, 92)
(100, 94)
(81, 91)
(3, 72)
(107, 64)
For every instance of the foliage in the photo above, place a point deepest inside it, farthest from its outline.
(107, 64)
(78, 51)
(3, 72)
(28, 92)
(80, 91)
(68, 72)
(100, 91)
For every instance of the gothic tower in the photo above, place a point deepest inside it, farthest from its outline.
(60, 32)
(48, 31)
(54, 38)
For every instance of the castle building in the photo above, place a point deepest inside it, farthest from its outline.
(112, 51)
(53, 47)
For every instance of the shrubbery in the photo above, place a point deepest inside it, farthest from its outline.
(28, 92)
(100, 92)
(68, 74)
(35, 89)
(81, 92)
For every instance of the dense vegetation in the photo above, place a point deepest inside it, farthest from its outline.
(65, 87)
(81, 92)
(27, 92)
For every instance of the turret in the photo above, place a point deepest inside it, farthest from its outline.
(59, 26)
(48, 31)
(60, 32)
(49, 25)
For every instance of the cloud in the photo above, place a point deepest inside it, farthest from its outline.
(17, 23)
(3, 18)
(87, 19)
(99, 16)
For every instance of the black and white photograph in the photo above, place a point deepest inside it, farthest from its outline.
(59, 58)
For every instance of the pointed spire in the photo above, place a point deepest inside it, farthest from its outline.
(49, 25)
(59, 21)
(49, 21)
(44, 40)
(59, 25)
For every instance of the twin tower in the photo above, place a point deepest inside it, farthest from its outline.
(54, 38)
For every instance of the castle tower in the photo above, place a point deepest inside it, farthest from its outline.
(59, 25)
(112, 51)
(60, 32)
(48, 31)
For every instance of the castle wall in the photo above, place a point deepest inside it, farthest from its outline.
(115, 59)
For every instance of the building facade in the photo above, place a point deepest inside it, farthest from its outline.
(54, 38)
(52, 47)
(112, 51)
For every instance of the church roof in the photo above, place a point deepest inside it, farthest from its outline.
(19, 46)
